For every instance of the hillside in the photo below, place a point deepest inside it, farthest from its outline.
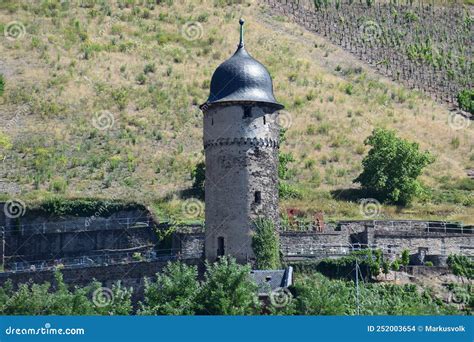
(101, 100)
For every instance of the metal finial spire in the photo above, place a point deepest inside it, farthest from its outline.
(241, 22)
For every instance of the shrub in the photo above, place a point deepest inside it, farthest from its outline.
(173, 293)
(198, 175)
(344, 267)
(461, 265)
(318, 295)
(59, 185)
(43, 299)
(141, 79)
(149, 68)
(349, 89)
(392, 167)
(2, 84)
(405, 257)
(228, 290)
(466, 100)
(265, 244)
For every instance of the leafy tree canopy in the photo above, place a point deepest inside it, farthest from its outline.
(392, 167)
(173, 293)
(228, 290)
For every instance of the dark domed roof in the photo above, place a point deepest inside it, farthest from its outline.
(241, 78)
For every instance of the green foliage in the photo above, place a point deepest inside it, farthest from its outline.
(149, 68)
(198, 175)
(285, 190)
(405, 257)
(369, 265)
(43, 299)
(141, 79)
(392, 167)
(173, 293)
(2, 84)
(395, 265)
(266, 246)
(317, 295)
(83, 207)
(228, 290)
(465, 100)
(461, 265)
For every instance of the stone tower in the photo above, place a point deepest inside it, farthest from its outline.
(241, 139)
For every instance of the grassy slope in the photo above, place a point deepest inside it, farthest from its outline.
(73, 64)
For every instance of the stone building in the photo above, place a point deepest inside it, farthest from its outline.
(241, 139)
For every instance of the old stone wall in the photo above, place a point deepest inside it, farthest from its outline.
(39, 237)
(312, 244)
(189, 244)
(435, 243)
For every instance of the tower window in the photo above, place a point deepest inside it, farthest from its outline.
(220, 246)
(212, 121)
(258, 197)
(264, 120)
(247, 112)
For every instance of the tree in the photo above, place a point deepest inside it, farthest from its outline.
(199, 176)
(461, 266)
(266, 246)
(2, 84)
(405, 257)
(392, 167)
(465, 100)
(173, 293)
(43, 299)
(228, 290)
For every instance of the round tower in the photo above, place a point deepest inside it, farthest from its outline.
(241, 140)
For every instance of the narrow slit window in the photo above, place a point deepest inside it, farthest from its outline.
(212, 121)
(258, 197)
(247, 112)
(220, 246)
(264, 120)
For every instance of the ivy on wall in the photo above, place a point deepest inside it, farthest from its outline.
(266, 245)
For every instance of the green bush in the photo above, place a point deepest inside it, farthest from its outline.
(198, 175)
(2, 84)
(461, 265)
(266, 246)
(43, 299)
(228, 290)
(344, 267)
(318, 295)
(405, 257)
(466, 100)
(173, 293)
(392, 167)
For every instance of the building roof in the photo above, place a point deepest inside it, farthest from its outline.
(241, 78)
(270, 280)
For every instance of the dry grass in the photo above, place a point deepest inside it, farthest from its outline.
(68, 72)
